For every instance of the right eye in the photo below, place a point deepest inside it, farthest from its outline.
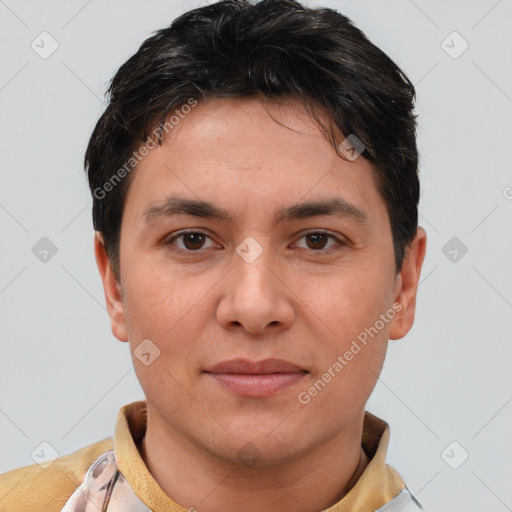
(192, 241)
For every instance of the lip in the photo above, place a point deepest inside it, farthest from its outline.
(248, 367)
(256, 379)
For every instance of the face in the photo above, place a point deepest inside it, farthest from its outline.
(256, 275)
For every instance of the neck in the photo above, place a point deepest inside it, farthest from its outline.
(192, 479)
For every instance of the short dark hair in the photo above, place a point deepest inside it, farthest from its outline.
(272, 49)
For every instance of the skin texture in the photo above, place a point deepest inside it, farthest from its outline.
(293, 302)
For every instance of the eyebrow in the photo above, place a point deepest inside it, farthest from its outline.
(175, 205)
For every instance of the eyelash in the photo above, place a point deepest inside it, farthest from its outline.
(330, 250)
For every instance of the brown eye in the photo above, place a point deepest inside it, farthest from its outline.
(317, 240)
(191, 241)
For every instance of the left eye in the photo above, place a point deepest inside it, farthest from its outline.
(319, 239)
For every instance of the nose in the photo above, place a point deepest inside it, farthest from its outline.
(256, 296)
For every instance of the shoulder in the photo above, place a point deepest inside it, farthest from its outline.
(34, 489)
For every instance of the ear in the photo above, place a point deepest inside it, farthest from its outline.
(407, 286)
(112, 289)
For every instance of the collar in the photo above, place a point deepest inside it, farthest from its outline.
(376, 487)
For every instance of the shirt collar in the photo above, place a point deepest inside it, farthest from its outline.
(378, 484)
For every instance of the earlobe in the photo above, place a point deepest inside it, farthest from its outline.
(112, 290)
(406, 287)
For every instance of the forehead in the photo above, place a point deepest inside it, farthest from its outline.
(244, 151)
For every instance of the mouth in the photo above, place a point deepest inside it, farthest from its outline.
(256, 379)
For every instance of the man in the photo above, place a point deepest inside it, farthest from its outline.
(255, 193)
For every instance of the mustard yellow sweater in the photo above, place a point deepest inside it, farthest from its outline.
(34, 489)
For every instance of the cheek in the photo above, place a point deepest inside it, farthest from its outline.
(160, 300)
(344, 303)
(172, 311)
(349, 305)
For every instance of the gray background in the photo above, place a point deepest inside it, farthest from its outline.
(63, 375)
